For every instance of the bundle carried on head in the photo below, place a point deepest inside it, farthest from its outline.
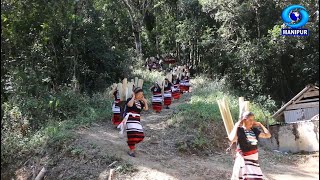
(125, 88)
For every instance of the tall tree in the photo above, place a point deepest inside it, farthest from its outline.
(136, 10)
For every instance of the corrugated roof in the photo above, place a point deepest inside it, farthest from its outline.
(280, 111)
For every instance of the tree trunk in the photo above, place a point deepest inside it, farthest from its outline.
(178, 51)
(197, 56)
(137, 40)
(190, 53)
(257, 17)
(157, 40)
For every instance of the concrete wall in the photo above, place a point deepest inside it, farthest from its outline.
(294, 137)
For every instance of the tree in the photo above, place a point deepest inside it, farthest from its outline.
(136, 11)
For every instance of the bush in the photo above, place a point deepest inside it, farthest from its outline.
(30, 124)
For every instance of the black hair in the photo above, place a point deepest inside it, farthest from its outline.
(137, 90)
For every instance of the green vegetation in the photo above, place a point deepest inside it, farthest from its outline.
(49, 126)
(59, 57)
(201, 120)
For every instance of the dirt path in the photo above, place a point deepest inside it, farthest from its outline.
(157, 157)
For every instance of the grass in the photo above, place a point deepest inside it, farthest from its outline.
(56, 132)
(200, 118)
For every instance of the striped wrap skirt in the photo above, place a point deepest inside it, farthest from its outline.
(247, 168)
(116, 120)
(184, 86)
(167, 97)
(157, 102)
(175, 91)
(134, 130)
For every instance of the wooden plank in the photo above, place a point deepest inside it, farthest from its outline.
(120, 91)
(129, 89)
(124, 88)
(226, 115)
(307, 100)
(169, 77)
(280, 111)
(241, 106)
(140, 83)
(113, 88)
(136, 81)
(303, 105)
(313, 89)
(311, 94)
(160, 82)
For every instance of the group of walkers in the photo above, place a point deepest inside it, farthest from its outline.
(171, 91)
(154, 63)
(245, 133)
(127, 114)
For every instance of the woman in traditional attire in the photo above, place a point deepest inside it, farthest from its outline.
(184, 83)
(156, 98)
(134, 129)
(246, 134)
(175, 87)
(167, 94)
(116, 120)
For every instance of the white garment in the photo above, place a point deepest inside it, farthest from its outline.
(115, 109)
(167, 94)
(244, 168)
(157, 99)
(123, 124)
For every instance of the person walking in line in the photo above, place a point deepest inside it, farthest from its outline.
(167, 94)
(246, 135)
(116, 120)
(156, 98)
(134, 130)
(175, 87)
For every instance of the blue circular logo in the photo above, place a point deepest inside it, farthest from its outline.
(295, 16)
